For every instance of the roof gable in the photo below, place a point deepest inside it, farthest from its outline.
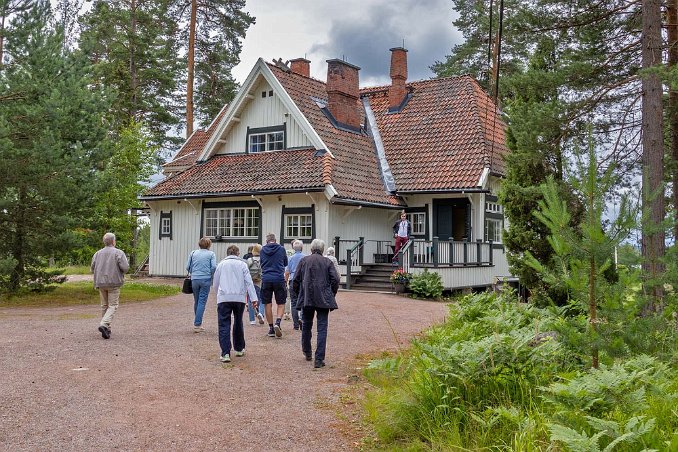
(246, 94)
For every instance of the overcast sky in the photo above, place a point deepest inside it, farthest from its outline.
(359, 31)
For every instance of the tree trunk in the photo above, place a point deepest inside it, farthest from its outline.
(2, 30)
(191, 68)
(653, 156)
(132, 58)
(672, 26)
(17, 247)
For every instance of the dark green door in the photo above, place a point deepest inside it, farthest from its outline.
(451, 219)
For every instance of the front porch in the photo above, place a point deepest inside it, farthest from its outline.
(461, 264)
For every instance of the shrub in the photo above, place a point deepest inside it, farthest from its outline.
(427, 285)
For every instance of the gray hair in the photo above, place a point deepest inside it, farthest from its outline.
(109, 239)
(270, 238)
(317, 246)
(330, 251)
(297, 245)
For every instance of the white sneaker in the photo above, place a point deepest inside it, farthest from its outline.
(198, 329)
(240, 353)
(226, 358)
(260, 316)
(253, 322)
(287, 317)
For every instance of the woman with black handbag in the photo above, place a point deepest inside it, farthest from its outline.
(201, 265)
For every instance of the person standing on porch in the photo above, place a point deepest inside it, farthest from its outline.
(273, 263)
(232, 284)
(402, 230)
(109, 266)
(316, 281)
(297, 246)
(201, 264)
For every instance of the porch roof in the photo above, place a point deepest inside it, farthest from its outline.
(289, 170)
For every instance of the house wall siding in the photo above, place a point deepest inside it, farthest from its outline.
(168, 257)
(263, 112)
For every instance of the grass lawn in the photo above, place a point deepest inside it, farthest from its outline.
(77, 270)
(82, 293)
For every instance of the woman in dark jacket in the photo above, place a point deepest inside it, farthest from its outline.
(316, 282)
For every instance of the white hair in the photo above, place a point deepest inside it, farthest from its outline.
(318, 246)
(297, 245)
(330, 251)
(109, 239)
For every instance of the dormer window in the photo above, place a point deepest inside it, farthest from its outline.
(265, 139)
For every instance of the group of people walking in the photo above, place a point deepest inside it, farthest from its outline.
(264, 276)
(265, 273)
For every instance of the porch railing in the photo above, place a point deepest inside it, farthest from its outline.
(354, 258)
(446, 253)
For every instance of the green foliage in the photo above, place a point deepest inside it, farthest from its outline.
(222, 25)
(499, 375)
(134, 50)
(53, 136)
(83, 293)
(613, 408)
(426, 285)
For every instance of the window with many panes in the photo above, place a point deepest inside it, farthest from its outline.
(418, 222)
(299, 226)
(165, 225)
(266, 140)
(493, 230)
(239, 222)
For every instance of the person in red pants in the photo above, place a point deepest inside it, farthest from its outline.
(402, 229)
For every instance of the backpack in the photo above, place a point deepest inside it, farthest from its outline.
(255, 269)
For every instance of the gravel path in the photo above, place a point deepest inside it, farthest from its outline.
(156, 385)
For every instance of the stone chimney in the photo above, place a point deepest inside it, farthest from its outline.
(301, 66)
(343, 92)
(397, 91)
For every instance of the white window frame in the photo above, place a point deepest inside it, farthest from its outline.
(493, 207)
(293, 230)
(270, 141)
(165, 226)
(498, 230)
(418, 222)
(232, 222)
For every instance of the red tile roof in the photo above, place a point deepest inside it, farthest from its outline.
(296, 170)
(443, 138)
(193, 147)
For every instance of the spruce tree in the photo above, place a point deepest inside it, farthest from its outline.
(53, 134)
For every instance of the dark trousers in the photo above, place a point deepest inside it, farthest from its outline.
(224, 312)
(293, 305)
(323, 315)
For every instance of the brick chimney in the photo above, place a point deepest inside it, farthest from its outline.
(343, 92)
(397, 91)
(301, 66)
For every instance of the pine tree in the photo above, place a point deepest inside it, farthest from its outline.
(213, 29)
(133, 46)
(9, 8)
(53, 134)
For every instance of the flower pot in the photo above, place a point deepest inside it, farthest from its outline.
(398, 287)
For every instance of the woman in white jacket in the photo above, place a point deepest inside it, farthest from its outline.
(232, 282)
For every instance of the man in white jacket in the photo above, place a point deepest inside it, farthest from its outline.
(232, 282)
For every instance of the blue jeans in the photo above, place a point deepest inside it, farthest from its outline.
(322, 315)
(224, 312)
(201, 290)
(250, 311)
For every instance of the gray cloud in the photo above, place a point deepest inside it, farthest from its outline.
(364, 36)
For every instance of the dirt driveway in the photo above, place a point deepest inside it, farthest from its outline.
(157, 385)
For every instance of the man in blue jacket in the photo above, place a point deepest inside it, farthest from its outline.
(273, 262)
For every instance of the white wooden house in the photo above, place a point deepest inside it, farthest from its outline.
(309, 159)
